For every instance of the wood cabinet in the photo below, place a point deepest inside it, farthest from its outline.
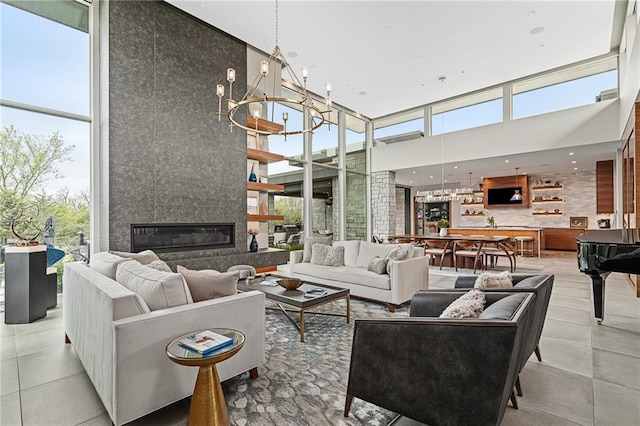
(426, 214)
(561, 238)
(604, 186)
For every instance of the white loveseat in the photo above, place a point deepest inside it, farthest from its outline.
(404, 279)
(121, 343)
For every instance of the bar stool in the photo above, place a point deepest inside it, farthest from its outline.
(525, 245)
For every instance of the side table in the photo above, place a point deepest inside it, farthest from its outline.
(208, 406)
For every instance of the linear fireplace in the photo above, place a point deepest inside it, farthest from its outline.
(182, 236)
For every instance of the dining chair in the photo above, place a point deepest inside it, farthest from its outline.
(494, 252)
(435, 250)
(467, 248)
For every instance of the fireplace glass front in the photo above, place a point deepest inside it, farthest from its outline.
(182, 236)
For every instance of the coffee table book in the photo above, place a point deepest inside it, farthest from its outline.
(205, 342)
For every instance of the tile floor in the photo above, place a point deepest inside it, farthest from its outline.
(590, 375)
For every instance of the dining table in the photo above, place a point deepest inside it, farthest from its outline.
(480, 240)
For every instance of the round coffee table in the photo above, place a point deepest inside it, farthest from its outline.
(208, 406)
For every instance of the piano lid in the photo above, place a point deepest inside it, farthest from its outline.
(610, 236)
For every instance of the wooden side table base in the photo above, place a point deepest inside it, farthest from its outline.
(208, 406)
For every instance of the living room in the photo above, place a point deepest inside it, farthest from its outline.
(162, 157)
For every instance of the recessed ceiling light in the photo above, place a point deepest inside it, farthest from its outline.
(531, 12)
(410, 181)
(292, 54)
(506, 161)
(445, 181)
(571, 153)
(363, 93)
(455, 167)
(536, 30)
(414, 172)
(575, 168)
(388, 28)
(573, 162)
(431, 177)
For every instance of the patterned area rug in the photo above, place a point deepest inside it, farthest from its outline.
(305, 383)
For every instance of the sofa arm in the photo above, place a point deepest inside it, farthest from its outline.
(407, 277)
(296, 256)
(145, 379)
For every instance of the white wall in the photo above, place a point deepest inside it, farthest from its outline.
(629, 91)
(584, 125)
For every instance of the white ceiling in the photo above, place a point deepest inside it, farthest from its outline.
(396, 50)
(383, 57)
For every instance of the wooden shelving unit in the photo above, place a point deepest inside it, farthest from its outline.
(263, 156)
(264, 187)
(472, 204)
(472, 215)
(536, 188)
(558, 200)
(547, 213)
(264, 217)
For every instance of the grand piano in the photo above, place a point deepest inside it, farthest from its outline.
(601, 252)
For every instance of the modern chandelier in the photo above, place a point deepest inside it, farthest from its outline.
(257, 95)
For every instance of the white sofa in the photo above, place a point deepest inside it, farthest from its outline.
(405, 277)
(122, 344)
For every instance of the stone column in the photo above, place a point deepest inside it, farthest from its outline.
(383, 203)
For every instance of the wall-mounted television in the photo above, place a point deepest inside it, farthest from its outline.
(502, 195)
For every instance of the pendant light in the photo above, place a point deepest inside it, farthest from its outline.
(517, 196)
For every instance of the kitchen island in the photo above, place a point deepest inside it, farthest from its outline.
(508, 231)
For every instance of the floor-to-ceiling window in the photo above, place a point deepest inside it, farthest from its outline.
(45, 119)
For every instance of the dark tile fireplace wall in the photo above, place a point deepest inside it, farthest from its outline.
(169, 159)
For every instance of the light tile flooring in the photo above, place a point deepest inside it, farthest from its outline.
(589, 375)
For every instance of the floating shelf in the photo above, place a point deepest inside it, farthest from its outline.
(469, 214)
(263, 124)
(535, 188)
(264, 217)
(263, 156)
(478, 192)
(264, 187)
(472, 204)
(547, 214)
(559, 200)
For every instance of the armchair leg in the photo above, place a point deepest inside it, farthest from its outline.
(537, 351)
(514, 401)
(518, 388)
(347, 404)
(390, 307)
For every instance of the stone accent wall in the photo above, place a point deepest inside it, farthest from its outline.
(578, 193)
(170, 160)
(400, 210)
(383, 203)
(356, 209)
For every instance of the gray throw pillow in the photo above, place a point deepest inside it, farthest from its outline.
(378, 265)
(327, 255)
(396, 254)
(469, 305)
(308, 244)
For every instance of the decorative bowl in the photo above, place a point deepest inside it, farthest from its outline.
(290, 283)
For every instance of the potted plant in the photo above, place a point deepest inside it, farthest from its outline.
(491, 221)
(443, 224)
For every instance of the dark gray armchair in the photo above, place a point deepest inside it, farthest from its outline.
(426, 368)
(541, 286)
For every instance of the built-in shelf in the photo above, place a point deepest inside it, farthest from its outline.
(478, 192)
(264, 217)
(558, 200)
(471, 214)
(535, 188)
(263, 156)
(263, 124)
(264, 187)
(472, 204)
(547, 213)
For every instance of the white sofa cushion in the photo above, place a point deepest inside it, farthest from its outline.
(208, 284)
(351, 249)
(345, 274)
(370, 250)
(159, 289)
(106, 263)
(144, 257)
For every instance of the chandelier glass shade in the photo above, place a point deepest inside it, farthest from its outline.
(257, 96)
(517, 196)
